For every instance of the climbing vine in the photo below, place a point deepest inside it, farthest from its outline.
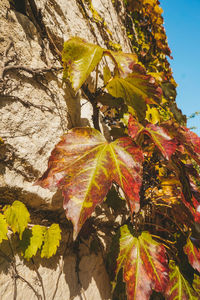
(150, 162)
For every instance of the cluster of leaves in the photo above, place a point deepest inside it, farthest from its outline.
(31, 240)
(165, 216)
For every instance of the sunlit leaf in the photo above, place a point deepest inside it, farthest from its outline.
(159, 136)
(193, 254)
(3, 228)
(84, 165)
(179, 287)
(35, 241)
(136, 90)
(144, 264)
(152, 115)
(79, 60)
(52, 239)
(124, 61)
(17, 216)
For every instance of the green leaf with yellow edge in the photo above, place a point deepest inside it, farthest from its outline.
(3, 228)
(178, 287)
(144, 263)
(17, 217)
(35, 242)
(84, 165)
(79, 60)
(52, 239)
(136, 90)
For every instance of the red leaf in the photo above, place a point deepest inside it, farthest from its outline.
(144, 264)
(193, 254)
(159, 136)
(84, 165)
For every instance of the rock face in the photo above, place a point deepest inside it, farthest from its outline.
(36, 109)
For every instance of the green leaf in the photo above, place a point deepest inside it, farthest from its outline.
(144, 264)
(193, 254)
(84, 165)
(17, 217)
(35, 241)
(3, 228)
(79, 60)
(136, 90)
(178, 287)
(52, 239)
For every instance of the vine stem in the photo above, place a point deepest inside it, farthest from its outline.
(39, 277)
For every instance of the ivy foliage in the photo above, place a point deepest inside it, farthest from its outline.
(84, 165)
(32, 239)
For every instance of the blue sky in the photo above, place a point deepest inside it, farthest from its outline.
(182, 24)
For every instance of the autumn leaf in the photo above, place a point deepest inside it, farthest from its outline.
(52, 239)
(193, 254)
(35, 242)
(159, 136)
(123, 61)
(79, 60)
(17, 216)
(179, 287)
(3, 228)
(136, 90)
(144, 264)
(84, 165)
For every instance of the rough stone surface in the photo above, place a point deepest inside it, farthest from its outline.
(35, 110)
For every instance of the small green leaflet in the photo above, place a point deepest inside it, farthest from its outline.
(196, 284)
(136, 90)
(35, 242)
(52, 239)
(144, 264)
(178, 287)
(17, 217)
(193, 254)
(3, 228)
(84, 165)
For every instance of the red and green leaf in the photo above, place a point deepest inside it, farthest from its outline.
(84, 165)
(144, 264)
(178, 287)
(136, 89)
(159, 136)
(193, 254)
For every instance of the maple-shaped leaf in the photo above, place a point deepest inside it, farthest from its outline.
(79, 60)
(178, 287)
(159, 136)
(17, 216)
(35, 240)
(52, 239)
(84, 165)
(3, 228)
(144, 264)
(193, 254)
(136, 89)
